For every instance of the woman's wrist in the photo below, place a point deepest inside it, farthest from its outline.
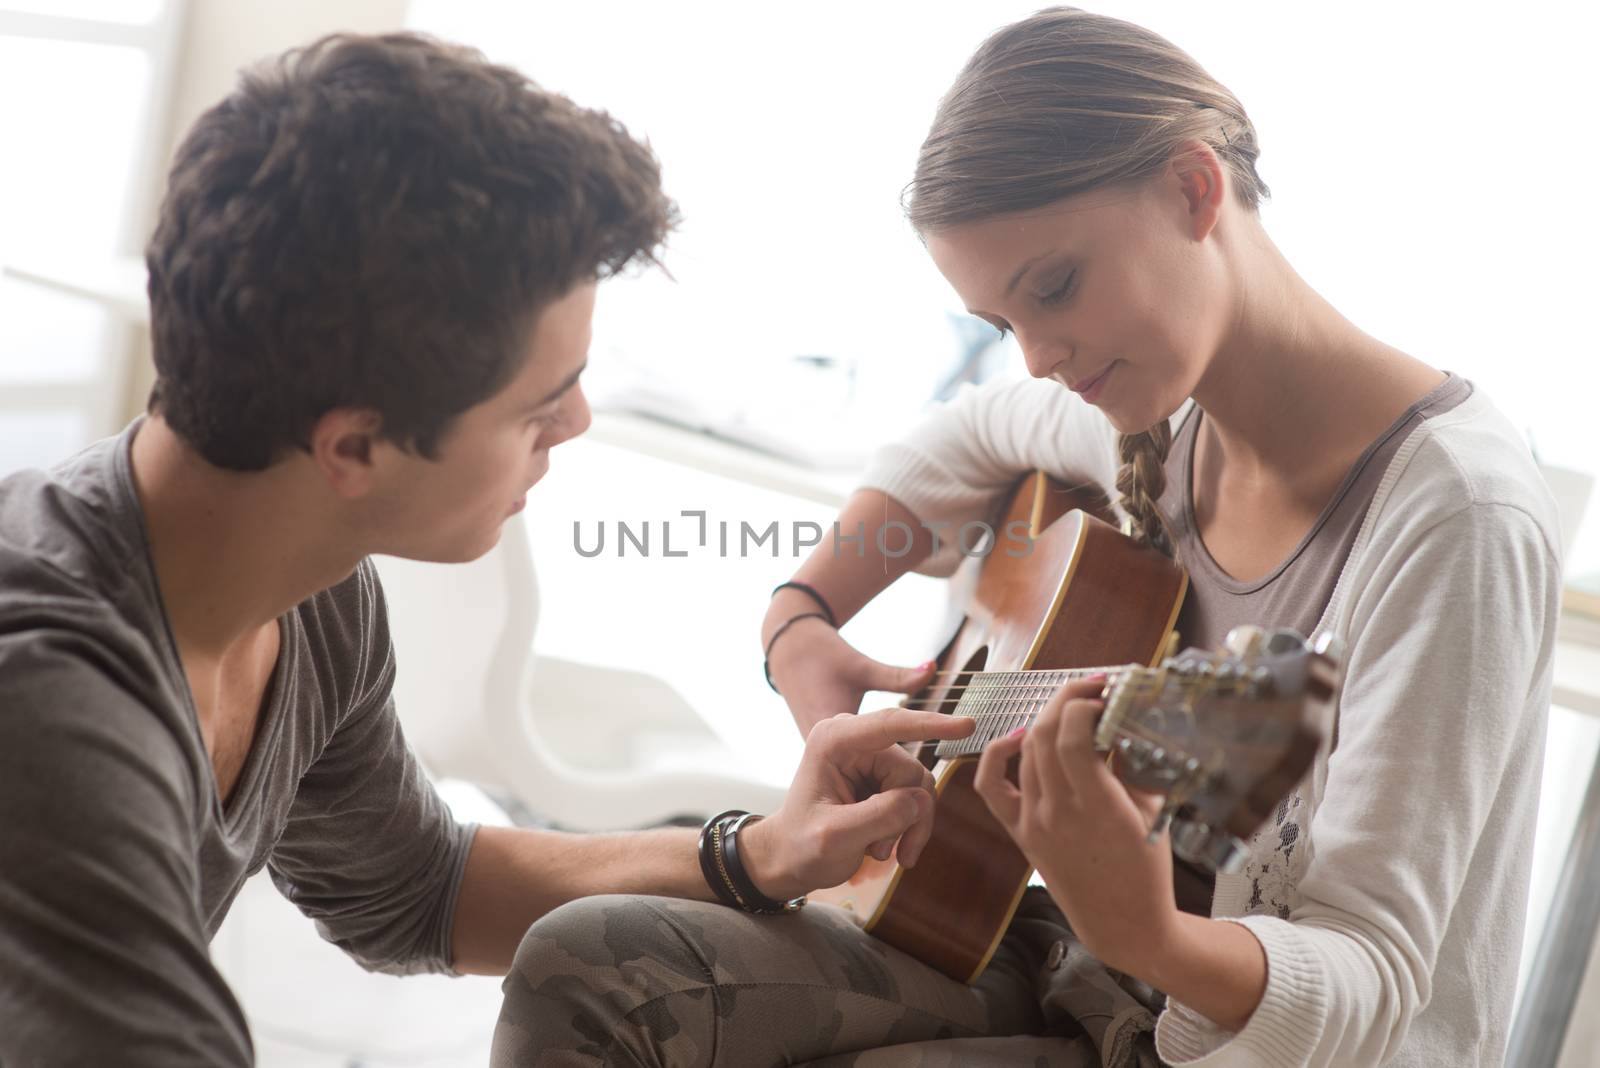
(1216, 968)
(778, 636)
(784, 606)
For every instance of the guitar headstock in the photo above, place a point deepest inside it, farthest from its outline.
(1224, 735)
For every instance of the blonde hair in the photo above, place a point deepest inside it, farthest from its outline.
(1060, 103)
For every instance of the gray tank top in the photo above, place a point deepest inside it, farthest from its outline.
(1295, 593)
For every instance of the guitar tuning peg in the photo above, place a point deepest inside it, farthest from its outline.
(1244, 641)
(1328, 644)
(1163, 820)
(1201, 844)
(1260, 679)
(1283, 640)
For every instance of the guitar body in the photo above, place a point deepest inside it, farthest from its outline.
(1085, 595)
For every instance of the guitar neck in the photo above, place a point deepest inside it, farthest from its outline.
(1002, 701)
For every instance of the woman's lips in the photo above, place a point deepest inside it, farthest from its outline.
(1091, 388)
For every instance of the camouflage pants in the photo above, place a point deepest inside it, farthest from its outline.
(659, 981)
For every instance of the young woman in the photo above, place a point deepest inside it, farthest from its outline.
(1088, 187)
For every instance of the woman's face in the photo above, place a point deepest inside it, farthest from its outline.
(1117, 294)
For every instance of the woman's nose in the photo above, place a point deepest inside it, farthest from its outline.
(1043, 357)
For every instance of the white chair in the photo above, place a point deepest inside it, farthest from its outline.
(577, 746)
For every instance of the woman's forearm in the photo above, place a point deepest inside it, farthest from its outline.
(876, 540)
(1214, 967)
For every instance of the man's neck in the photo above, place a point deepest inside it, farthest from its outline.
(233, 550)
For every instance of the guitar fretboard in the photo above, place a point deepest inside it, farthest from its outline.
(1002, 701)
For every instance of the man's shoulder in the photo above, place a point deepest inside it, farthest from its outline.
(69, 531)
(351, 612)
(345, 634)
(76, 611)
(79, 692)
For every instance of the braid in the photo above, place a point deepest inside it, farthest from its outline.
(1141, 482)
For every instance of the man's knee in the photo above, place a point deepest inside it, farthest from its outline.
(603, 971)
(596, 937)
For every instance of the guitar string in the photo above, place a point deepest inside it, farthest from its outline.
(973, 693)
(1017, 711)
(1032, 676)
(974, 744)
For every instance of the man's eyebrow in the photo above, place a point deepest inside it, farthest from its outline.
(571, 381)
(1024, 270)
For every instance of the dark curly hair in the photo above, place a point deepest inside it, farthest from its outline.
(377, 222)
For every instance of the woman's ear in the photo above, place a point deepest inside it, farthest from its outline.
(1202, 180)
(344, 444)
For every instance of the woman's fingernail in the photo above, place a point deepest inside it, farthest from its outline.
(1020, 730)
(926, 665)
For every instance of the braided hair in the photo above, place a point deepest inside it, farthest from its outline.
(1141, 481)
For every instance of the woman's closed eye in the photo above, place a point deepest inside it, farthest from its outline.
(1061, 292)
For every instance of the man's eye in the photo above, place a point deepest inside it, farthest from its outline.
(1058, 295)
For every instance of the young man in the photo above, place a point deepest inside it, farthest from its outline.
(371, 289)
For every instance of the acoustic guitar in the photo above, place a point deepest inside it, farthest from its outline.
(1224, 736)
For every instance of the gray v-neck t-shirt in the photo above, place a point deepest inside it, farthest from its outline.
(118, 860)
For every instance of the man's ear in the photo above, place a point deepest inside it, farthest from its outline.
(344, 447)
(1202, 178)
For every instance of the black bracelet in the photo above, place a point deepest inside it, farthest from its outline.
(710, 833)
(809, 591)
(750, 897)
(766, 656)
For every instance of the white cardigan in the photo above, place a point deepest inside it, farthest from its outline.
(1393, 932)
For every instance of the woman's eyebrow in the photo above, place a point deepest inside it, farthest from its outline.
(1024, 269)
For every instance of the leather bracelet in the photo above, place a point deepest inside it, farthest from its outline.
(710, 833)
(766, 656)
(751, 899)
(811, 592)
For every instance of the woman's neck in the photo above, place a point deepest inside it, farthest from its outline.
(1295, 384)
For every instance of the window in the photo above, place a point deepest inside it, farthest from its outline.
(1429, 176)
(83, 85)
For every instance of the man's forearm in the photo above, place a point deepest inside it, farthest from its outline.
(515, 875)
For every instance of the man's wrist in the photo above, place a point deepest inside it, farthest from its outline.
(762, 852)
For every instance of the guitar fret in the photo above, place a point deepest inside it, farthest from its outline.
(1002, 701)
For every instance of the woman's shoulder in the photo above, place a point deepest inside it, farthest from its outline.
(1470, 459)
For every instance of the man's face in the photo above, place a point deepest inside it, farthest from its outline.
(450, 509)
